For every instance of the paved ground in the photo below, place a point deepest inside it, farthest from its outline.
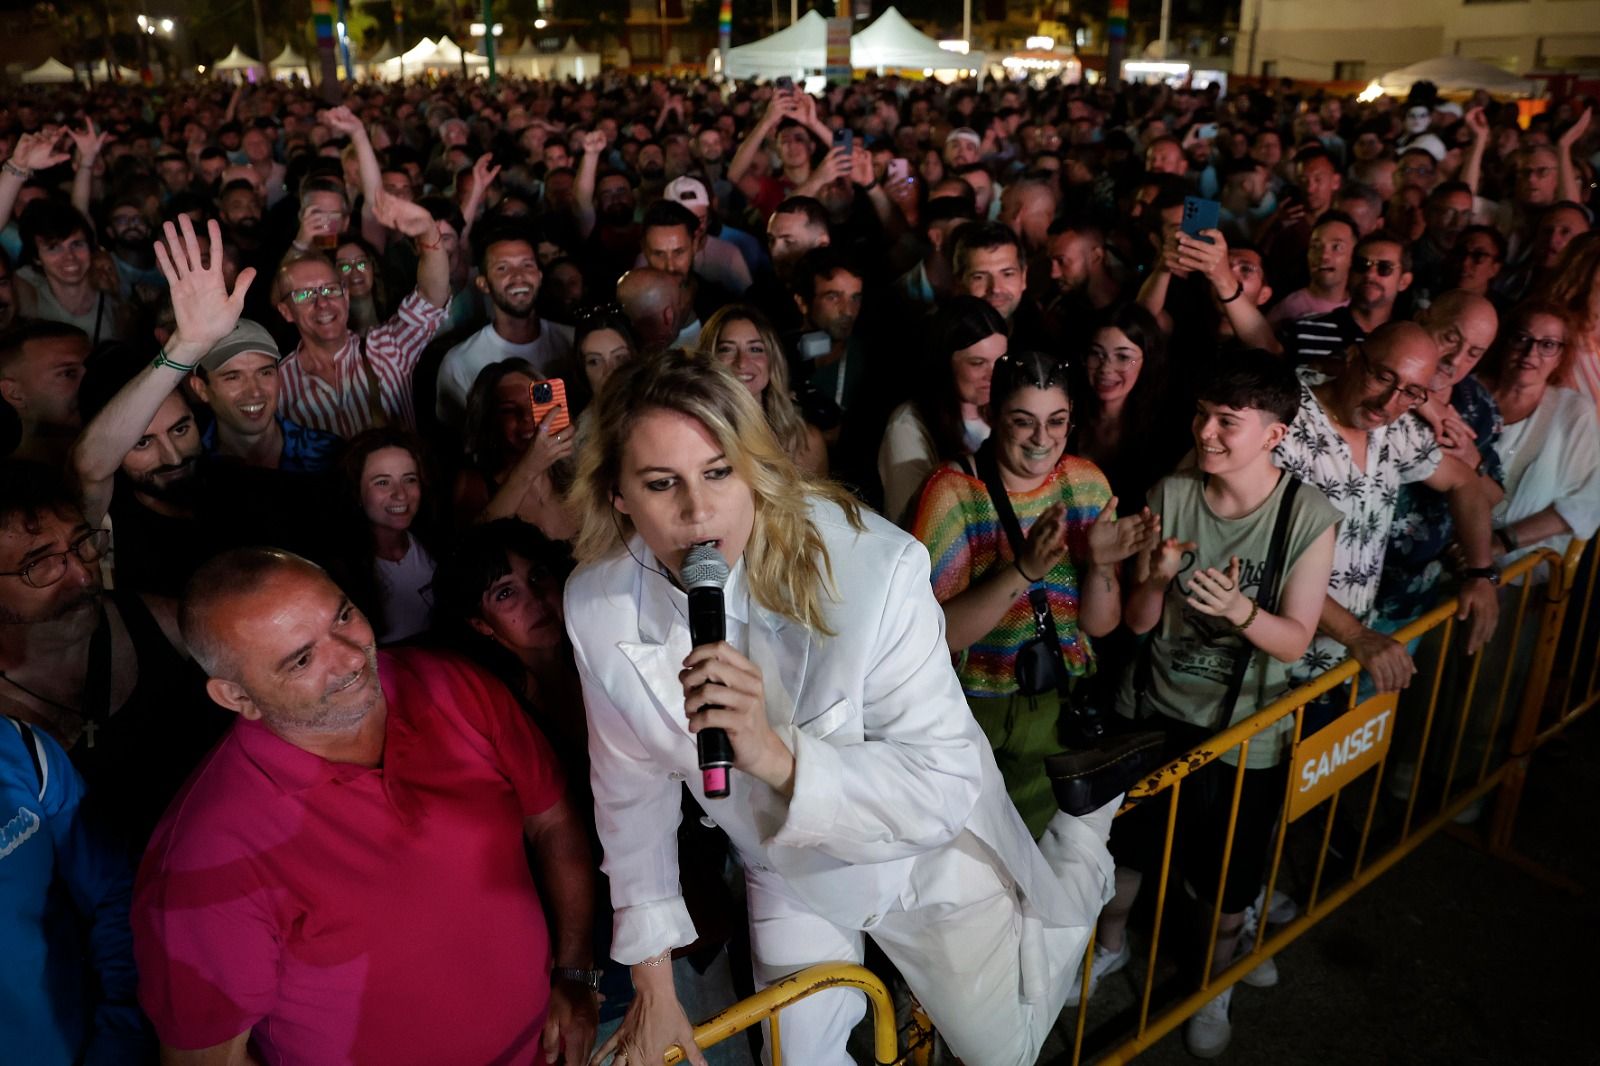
(1450, 958)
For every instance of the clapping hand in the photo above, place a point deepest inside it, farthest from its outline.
(1162, 563)
(202, 306)
(1217, 593)
(1113, 539)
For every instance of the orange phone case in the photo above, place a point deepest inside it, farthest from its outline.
(558, 398)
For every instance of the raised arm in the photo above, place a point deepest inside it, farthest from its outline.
(594, 146)
(781, 107)
(1211, 260)
(1472, 166)
(414, 221)
(205, 312)
(344, 121)
(88, 143)
(483, 174)
(1570, 186)
(34, 151)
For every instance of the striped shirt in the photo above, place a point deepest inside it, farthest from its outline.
(391, 352)
(1310, 340)
(956, 519)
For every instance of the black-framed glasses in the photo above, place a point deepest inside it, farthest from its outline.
(1385, 267)
(49, 569)
(316, 292)
(1544, 347)
(1415, 395)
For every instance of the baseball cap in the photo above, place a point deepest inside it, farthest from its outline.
(1428, 143)
(964, 133)
(247, 336)
(687, 190)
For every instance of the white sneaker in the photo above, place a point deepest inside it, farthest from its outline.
(1283, 909)
(1105, 964)
(1208, 1032)
(1266, 974)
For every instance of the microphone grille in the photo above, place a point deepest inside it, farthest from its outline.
(704, 567)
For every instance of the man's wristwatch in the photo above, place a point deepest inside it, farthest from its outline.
(1491, 574)
(590, 979)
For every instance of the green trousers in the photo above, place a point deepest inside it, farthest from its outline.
(1022, 730)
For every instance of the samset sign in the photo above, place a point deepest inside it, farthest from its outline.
(1346, 749)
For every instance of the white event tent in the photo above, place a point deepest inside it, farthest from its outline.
(574, 62)
(289, 63)
(51, 72)
(236, 60)
(1456, 74)
(101, 72)
(892, 43)
(795, 50)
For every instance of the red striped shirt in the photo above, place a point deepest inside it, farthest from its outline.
(345, 406)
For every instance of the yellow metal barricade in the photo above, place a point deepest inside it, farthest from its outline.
(1443, 736)
(765, 1005)
(1540, 711)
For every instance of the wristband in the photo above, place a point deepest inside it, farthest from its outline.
(1030, 580)
(11, 168)
(434, 247)
(869, 186)
(1255, 609)
(658, 960)
(162, 360)
(1236, 294)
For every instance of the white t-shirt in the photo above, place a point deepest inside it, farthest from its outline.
(407, 603)
(1552, 458)
(463, 363)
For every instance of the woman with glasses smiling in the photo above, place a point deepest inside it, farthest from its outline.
(1071, 546)
(357, 264)
(1551, 444)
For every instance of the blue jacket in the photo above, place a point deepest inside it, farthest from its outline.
(55, 878)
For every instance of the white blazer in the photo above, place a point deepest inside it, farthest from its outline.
(890, 765)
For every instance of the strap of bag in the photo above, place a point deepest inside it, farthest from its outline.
(1266, 594)
(1044, 619)
(375, 413)
(35, 753)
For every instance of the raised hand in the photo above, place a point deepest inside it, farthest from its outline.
(1217, 593)
(412, 220)
(1046, 543)
(1577, 129)
(1478, 124)
(202, 306)
(39, 151)
(89, 142)
(1113, 539)
(1162, 563)
(483, 174)
(594, 142)
(344, 121)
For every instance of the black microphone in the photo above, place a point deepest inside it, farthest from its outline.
(704, 574)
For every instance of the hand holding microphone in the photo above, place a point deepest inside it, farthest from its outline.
(723, 691)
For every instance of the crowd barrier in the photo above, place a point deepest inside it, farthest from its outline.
(1454, 706)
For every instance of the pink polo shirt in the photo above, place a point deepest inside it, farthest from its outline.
(348, 915)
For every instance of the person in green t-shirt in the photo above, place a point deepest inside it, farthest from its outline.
(1196, 594)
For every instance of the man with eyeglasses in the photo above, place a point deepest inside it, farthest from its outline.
(1380, 271)
(103, 673)
(1356, 438)
(337, 381)
(1544, 174)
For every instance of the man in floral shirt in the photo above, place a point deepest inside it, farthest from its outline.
(1357, 440)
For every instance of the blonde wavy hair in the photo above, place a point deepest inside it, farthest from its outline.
(786, 561)
(782, 413)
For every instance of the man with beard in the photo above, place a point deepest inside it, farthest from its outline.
(141, 459)
(127, 236)
(1380, 271)
(989, 263)
(605, 205)
(395, 799)
(828, 293)
(671, 239)
(104, 673)
(508, 273)
(41, 368)
(238, 381)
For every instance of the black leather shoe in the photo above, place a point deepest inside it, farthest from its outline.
(1087, 780)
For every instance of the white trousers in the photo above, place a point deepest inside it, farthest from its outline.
(992, 977)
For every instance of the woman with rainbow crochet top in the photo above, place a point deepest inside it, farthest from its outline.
(1073, 545)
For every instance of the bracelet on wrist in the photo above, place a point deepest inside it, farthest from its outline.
(426, 247)
(11, 168)
(1255, 609)
(1236, 294)
(161, 360)
(1030, 580)
(658, 960)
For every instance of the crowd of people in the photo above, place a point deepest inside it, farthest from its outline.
(354, 449)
